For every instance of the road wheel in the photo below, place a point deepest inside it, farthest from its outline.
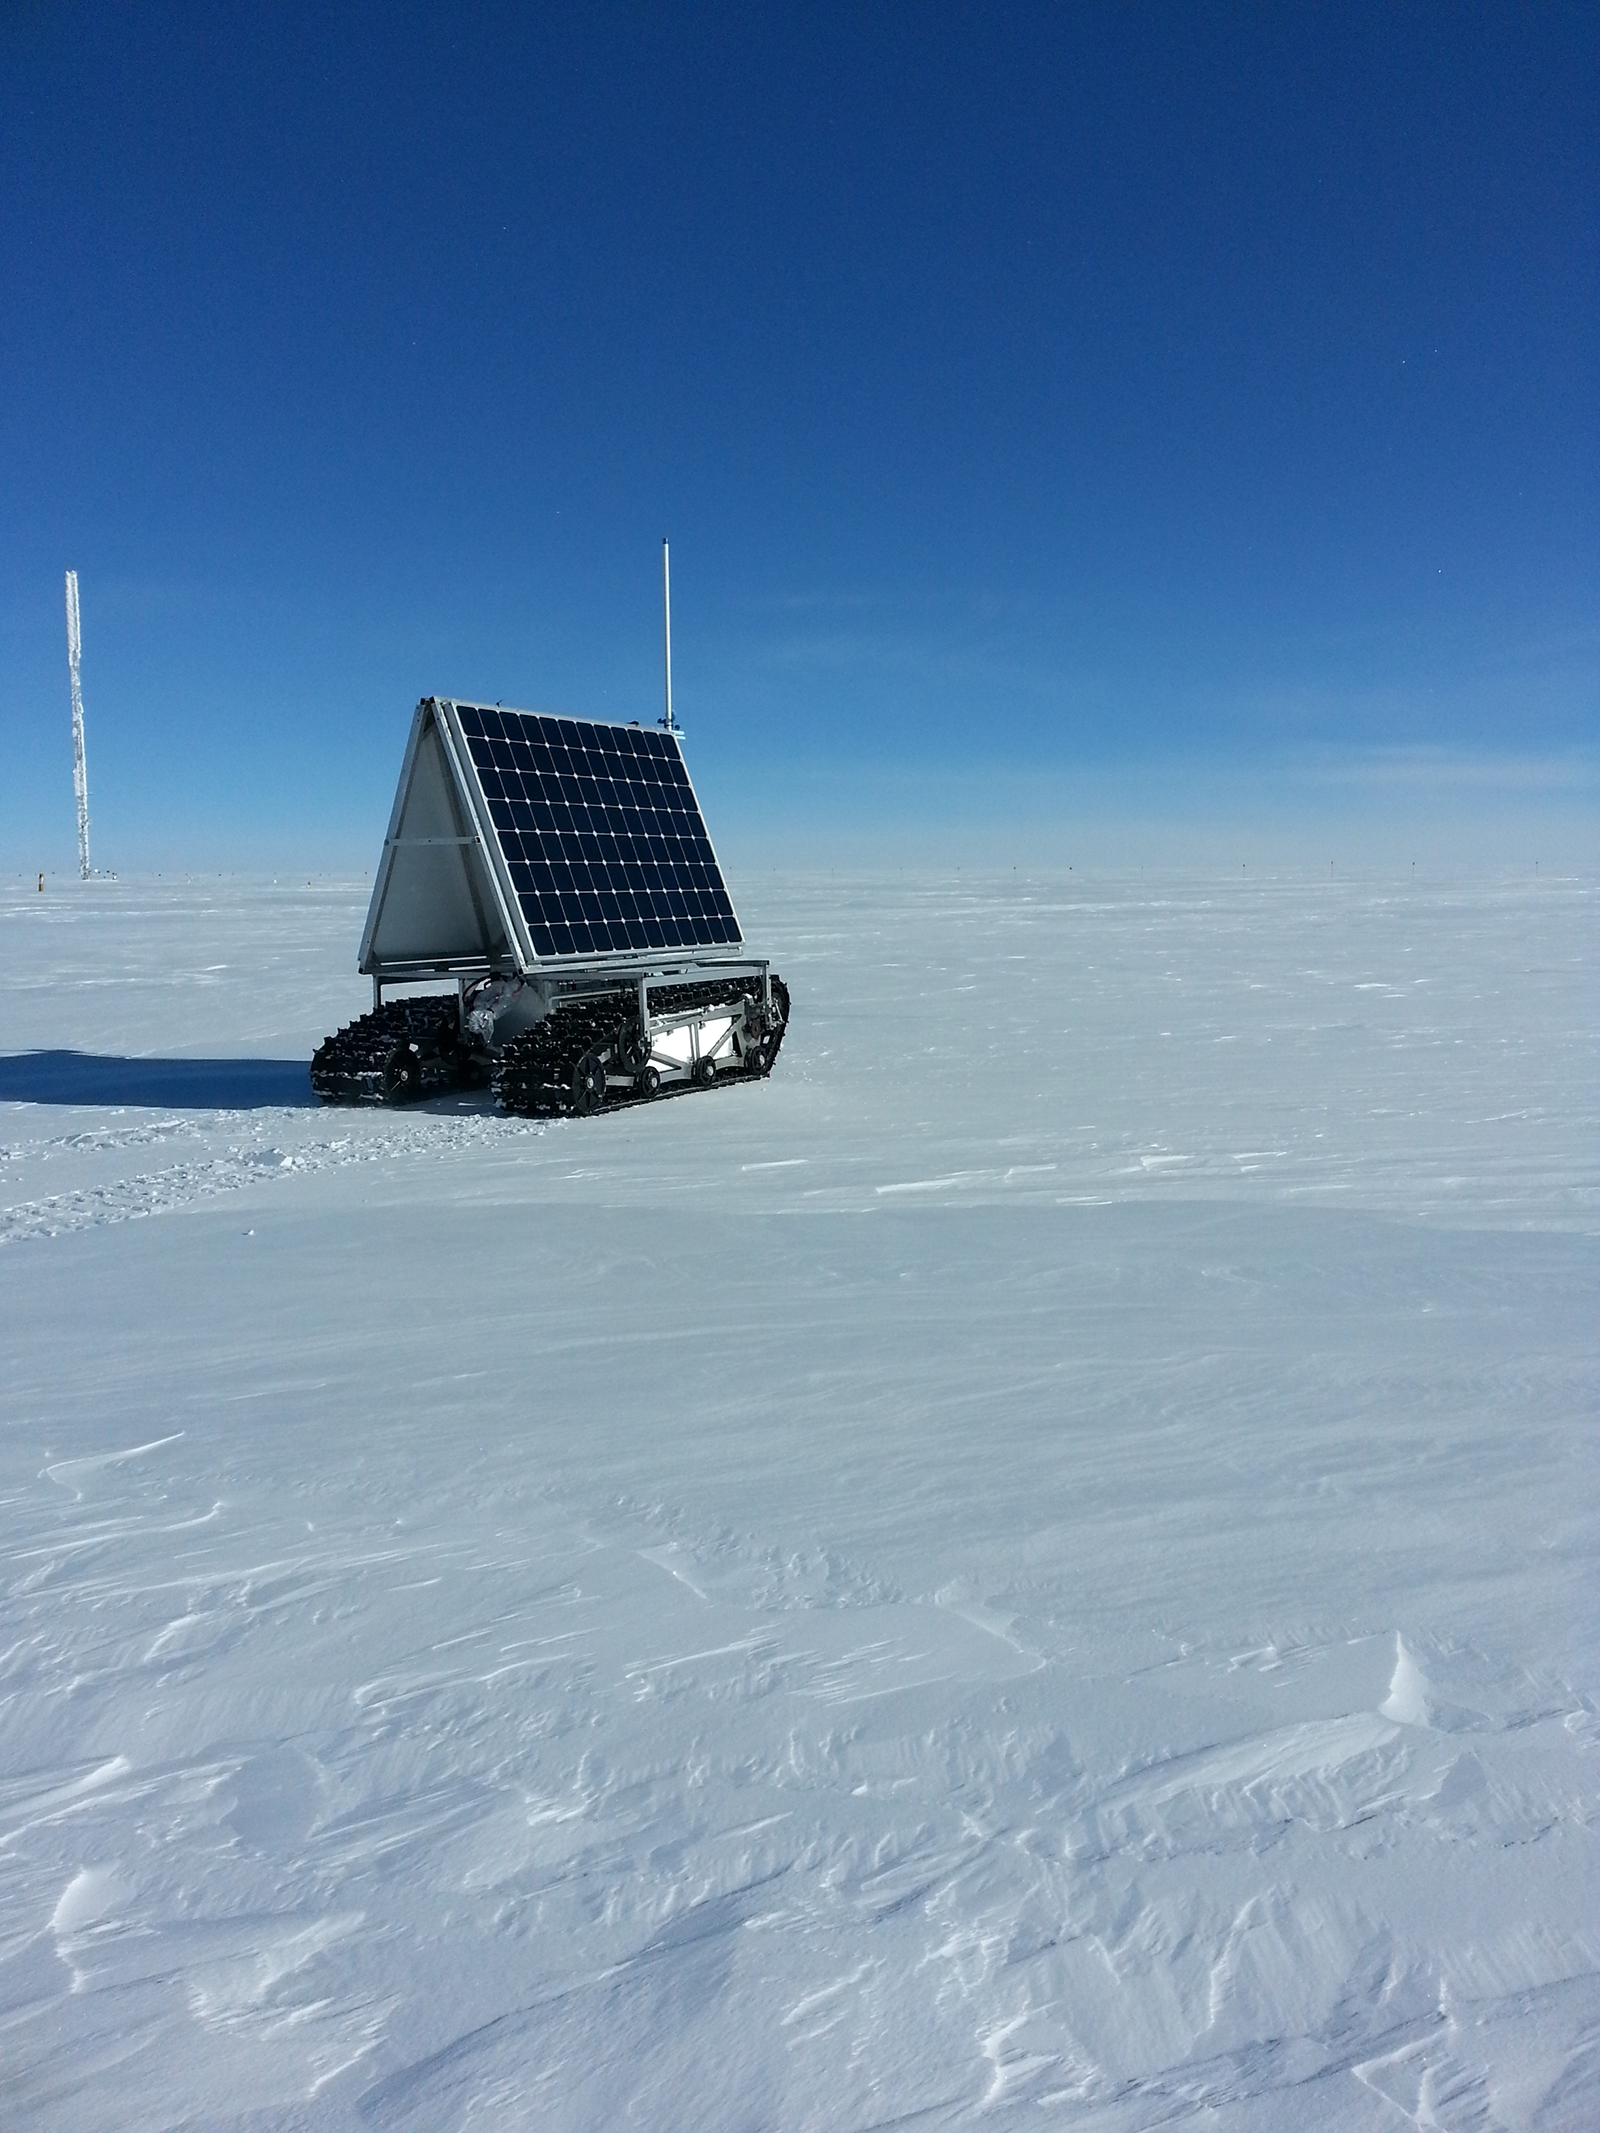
(588, 1084)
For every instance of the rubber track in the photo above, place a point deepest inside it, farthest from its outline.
(533, 1075)
(348, 1068)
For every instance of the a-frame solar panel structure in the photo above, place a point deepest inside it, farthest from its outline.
(520, 839)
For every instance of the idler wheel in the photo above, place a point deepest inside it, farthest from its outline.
(588, 1084)
(705, 1071)
(649, 1082)
(402, 1074)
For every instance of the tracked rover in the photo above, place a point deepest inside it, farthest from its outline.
(558, 873)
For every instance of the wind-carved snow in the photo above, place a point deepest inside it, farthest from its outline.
(88, 1898)
(1036, 1567)
(1407, 1700)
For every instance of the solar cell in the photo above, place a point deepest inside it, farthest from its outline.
(601, 834)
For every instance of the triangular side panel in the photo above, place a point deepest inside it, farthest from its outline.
(435, 905)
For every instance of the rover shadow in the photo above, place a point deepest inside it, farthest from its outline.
(187, 1084)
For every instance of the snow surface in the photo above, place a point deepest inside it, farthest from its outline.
(1037, 1568)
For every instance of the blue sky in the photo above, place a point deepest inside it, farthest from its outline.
(1055, 412)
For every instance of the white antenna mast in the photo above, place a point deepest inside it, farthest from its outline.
(666, 613)
(80, 769)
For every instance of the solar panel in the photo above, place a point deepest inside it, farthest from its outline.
(601, 833)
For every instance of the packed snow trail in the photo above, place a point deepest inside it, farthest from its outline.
(1038, 1564)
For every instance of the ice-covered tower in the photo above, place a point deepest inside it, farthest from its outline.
(80, 770)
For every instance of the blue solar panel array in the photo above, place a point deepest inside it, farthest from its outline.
(601, 832)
